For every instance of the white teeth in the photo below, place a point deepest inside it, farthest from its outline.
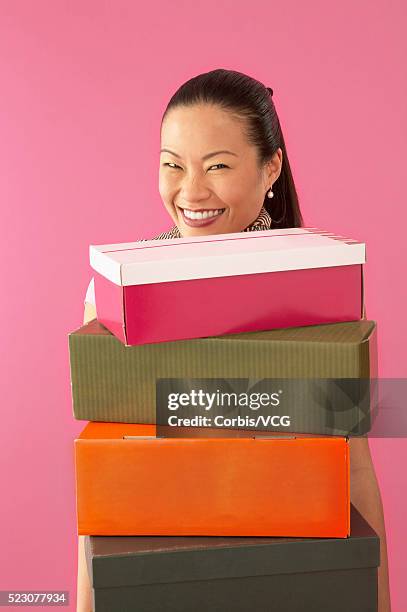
(202, 215)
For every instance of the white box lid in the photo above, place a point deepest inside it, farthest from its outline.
(277, 250)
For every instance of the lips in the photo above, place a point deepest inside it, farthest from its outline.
(207, 216)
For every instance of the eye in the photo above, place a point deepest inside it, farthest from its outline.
(171, 165)
(174, 166)
(214, 166)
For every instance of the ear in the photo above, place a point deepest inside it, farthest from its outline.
(273, 167)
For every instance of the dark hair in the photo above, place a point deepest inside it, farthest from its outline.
(251, 101)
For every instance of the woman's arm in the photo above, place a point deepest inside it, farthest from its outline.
(90, 302)
(90, 313)
(84, 591)
(365, 496)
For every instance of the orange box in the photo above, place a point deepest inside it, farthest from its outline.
(247, 486)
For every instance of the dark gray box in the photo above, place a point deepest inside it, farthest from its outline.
(179, 574)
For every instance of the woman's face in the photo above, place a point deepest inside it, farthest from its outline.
(210, 180)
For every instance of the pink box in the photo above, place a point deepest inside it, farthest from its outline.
(157, 291)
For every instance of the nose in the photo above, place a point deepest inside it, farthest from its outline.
(194, 188)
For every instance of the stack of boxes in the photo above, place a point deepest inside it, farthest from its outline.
(225, 519)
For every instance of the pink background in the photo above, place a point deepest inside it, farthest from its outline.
(83, 87)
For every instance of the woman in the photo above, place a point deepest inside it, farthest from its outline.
(224, 168)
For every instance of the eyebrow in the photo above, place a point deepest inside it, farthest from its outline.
(204, 157)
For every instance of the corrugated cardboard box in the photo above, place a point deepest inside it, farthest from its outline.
(111, 382)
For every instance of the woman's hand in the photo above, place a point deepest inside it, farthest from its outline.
(90, 313)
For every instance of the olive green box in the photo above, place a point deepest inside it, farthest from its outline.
(117, 383)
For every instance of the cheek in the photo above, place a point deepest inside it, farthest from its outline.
(235, 191)
(165, 186)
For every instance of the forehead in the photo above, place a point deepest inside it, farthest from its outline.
(202, 125)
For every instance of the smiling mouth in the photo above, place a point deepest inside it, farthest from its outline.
(201, 214)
